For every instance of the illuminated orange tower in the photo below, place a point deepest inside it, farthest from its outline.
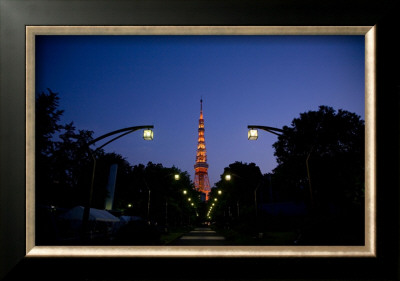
(201, 181)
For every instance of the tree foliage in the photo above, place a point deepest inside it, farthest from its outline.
(237, 199)
(60, 157)
(64, 171)
(322, 155)
(154, 194)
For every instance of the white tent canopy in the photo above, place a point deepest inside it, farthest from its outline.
(76, 213)
(130, 218)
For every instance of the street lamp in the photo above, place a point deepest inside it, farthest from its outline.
(228, 177)
(176, 178)
(253, 135)
(148, 135)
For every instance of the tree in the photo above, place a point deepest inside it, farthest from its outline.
(322, 154)
(237, 200)
(154, 194)
(62, 157)
(47, 117)
(60, 165)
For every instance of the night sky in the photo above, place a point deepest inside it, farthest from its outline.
(107, 83)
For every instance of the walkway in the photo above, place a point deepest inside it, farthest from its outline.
(202, 236)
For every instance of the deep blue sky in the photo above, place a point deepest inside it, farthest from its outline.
(111, 82)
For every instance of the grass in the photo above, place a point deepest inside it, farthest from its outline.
(172, 234)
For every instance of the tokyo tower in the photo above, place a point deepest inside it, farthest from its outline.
(201, 181)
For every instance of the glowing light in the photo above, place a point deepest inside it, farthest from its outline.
(148, 134)
(252, 134)
(201, 180)
(177, 177)
(228, 178)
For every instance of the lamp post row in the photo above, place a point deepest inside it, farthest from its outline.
(148, 135)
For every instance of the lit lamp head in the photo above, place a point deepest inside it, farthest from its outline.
(252, 134)
(176, 177)
(148, 134)
(228, 177)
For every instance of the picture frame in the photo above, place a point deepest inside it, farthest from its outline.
(368, 250)
(22, 198)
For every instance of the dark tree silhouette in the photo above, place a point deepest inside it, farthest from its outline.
(62, 157)
(236, 205)
(333, 143)
(321, 161)
(154, 192)
(47, 117)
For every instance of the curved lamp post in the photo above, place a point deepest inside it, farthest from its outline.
(253, 135)
(147, 135)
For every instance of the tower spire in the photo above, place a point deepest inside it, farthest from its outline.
(201, 180)
(201, 108)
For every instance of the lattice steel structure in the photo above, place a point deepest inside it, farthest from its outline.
(201, 181)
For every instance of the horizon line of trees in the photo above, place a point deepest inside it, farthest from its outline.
(320, 163)
(64, 169)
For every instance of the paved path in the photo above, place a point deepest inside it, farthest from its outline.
(202, 236)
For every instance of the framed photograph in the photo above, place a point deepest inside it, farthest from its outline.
(38, 53)
(76, 48)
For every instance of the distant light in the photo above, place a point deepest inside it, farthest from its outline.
(228, 178)
(129, 205)
(219, 192)
(148, 134)
(177, 177)
(185, 192)
(189, 199)
(215, 199)
(252, 134)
